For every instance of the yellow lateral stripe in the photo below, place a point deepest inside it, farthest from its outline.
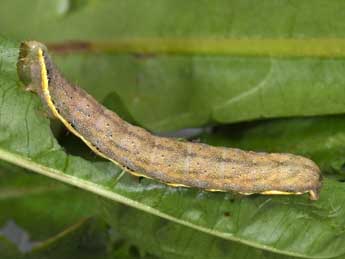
(48, 99)
(280, 193)
(45, 89)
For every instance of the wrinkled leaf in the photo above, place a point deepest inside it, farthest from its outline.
(170, 240)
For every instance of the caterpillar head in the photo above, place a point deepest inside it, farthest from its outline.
(28, 65)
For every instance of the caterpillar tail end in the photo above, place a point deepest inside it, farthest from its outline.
(314, 195)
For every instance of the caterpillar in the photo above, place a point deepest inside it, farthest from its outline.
(168, 160)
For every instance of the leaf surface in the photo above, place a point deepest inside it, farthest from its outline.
(244, 67)
(198, 64)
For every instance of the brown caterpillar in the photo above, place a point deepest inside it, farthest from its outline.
(176, 163)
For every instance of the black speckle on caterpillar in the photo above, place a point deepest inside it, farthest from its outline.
(176, 163)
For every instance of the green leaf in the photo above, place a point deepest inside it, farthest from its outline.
(277, 224)
(199, 62)
(30, 200)
(42, 218)
(85, 239)
(8, 250)
(170, 240)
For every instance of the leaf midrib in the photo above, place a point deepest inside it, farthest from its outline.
(267, 47)
(100, 190)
